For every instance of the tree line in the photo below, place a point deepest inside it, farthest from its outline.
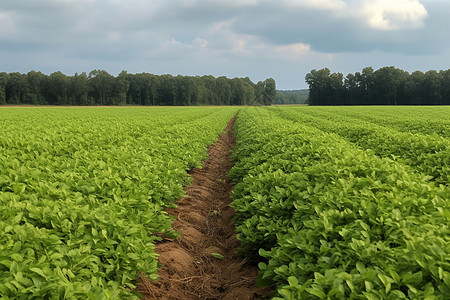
(291, 97)
(101, 88)
(385, 86)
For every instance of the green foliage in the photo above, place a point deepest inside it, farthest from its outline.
(427, 153)
(333, 221)
(385, 86)
(101, 88)
(291, 97)
(82, 193)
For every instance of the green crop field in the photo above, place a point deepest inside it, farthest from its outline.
(332, 202)
(82, 192)
(346, 203)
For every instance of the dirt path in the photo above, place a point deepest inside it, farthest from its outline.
(189, 271)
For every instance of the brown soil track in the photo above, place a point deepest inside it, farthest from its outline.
(188, 270)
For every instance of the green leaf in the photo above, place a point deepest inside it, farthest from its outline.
(360, 267)
(414, 279)
(287, 294)
(292, 281)
(386, 281)
(217, 255)
(316, 291)
(371, 296)
(6, 263)
(39, 272)
(154, 276)
(19, 188)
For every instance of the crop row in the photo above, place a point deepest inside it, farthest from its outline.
(410, 119)
(332, 221)
(428, 154)
(82, 192)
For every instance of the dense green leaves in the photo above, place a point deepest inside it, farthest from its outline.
(349, 206)
(102, 88)
(385, 86)
(333, 221)
(427, 153)
(82, 193)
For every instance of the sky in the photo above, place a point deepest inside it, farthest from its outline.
(259, 39)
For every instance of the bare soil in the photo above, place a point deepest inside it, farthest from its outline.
(188, 268)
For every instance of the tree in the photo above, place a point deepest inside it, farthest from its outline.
(337, 90)
(120, 86)
(135, 89)
(367, 85)
(152, 88)
(223, 90)
(325, 88)
(259, 93)
(58, 86)
(3, 83)
(210, 96)
(317, 81)
(432, 88)
(412, 89)
(353, 90)
(445, 87)
(102, 83)
(200, 93)
(291, 96)
(101, 88)
(388, 82)
(167, 90)
(248, 91)
(270, 90)
(15, 88)
(36, 92)
(79, 89)
(185, 90)
(237, 91)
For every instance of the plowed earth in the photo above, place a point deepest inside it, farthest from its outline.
(204, 219)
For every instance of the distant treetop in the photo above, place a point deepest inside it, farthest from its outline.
(385, 86)
(100, 88)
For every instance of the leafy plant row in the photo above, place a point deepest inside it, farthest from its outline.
(332, 221)
(428, 154)
(82, 192)
(411, 119)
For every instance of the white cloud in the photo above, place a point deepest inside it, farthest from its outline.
(7, 25)
(221, 26)
(293, 51)
(246, 2)
(316, 4)
(172, 42)
(394, 15)
(202, 43)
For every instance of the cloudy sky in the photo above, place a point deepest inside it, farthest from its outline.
(282, 39)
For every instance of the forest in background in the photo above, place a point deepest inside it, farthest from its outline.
(291, 96)
(101, 88)
(385, 86)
